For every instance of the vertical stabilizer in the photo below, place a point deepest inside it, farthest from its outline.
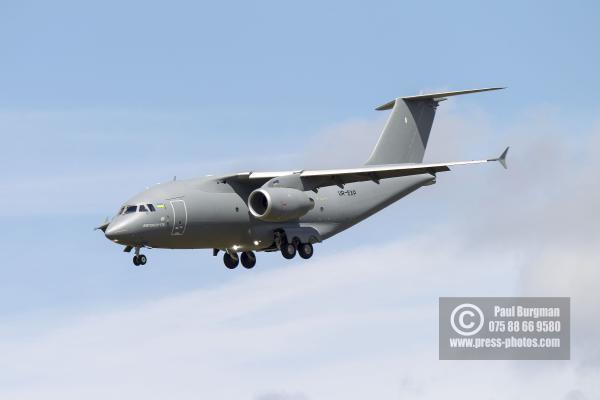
(406, 132)
(405, 135)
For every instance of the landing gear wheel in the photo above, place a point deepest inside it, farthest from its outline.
(288, 250)
(229, 261)
(136, 261)
(248, 259)
(142, 259)
(305, 250)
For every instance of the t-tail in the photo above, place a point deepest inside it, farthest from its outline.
(405, 135)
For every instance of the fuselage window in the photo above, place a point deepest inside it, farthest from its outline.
(151, 207)
(130, 209)
(142, 208)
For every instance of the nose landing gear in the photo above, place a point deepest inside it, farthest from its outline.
(139, 259)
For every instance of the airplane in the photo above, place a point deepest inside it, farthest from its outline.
(286, 211)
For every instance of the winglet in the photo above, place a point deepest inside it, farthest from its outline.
(502, 158)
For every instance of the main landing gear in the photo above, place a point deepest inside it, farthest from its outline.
(248, 259)
(288, 250)
(305, 250)
(232, 260)
(139, 259)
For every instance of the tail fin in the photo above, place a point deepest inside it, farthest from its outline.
(405, 135)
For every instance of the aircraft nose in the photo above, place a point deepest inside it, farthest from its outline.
(115, 232)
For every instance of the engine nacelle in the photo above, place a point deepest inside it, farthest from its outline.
(279, 204)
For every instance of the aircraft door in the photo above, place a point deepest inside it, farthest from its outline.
(179, 217)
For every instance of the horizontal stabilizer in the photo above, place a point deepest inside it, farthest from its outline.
(434, 96)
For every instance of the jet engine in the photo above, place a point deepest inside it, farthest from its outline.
(279, 204)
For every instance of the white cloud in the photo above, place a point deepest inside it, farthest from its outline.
(343, 145)
(355, 325)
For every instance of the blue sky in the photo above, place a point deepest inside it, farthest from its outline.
(100, 99)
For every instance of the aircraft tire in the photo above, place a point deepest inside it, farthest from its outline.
(288, 250)
(248, 259)
(229, 261)
(305, 250)
(136, 261)
(142, 259)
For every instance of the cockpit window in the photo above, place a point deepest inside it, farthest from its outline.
(140, 208)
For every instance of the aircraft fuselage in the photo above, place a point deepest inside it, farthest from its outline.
(208, 213)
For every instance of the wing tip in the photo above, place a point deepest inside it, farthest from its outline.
(502, 158)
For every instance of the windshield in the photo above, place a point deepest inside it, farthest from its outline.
(128, 209)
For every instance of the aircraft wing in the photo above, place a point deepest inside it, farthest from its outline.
(328, 177)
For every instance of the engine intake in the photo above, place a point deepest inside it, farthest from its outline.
(279, 204)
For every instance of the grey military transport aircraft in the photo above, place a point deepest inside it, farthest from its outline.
(285, 211)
